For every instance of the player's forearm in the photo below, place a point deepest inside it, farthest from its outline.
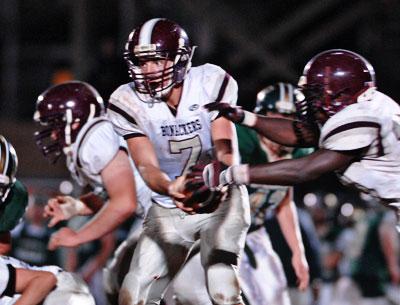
(99, 261)
(113, 214)
(283, 131)
(225, 152)
(37, 289)
(289, 223)
(93, 203)
(155, 179)
(278, 130)
(285, 172)
(389, 242)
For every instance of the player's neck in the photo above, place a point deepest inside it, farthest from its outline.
(175, 96)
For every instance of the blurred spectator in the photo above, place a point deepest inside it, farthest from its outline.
(312, 251)
(328, 233)
(89, 259)
(378, 261)
(31, 236)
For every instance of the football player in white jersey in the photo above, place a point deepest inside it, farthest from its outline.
(23, 284)
(261, 273)
(72, 114)
(160, 116)
(74, 121)
(356, 127)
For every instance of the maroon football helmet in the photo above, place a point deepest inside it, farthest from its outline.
(158, 39)
(334, 79)
(60, 107)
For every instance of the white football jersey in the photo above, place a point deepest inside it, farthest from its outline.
(96, 145)
(5, 275)
(70, 288)
(373, 122)
(180, 137)
(5, 263)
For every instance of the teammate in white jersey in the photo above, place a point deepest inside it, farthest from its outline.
(356, 127)
(73, 116)
(23, 284)
(161, 117)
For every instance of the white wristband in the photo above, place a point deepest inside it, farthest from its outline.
(250, 119)
(237, 174)
(72, 207)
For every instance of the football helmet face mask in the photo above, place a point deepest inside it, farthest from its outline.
(8, 168)
(167, 45)
(62, 110)
(276, 100)
(331, 81)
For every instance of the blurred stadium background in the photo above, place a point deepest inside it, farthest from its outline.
(258, 42)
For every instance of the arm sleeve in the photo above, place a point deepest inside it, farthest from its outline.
(98, 149)
(220, 87)
(121, 112)
(7, 279)
(348, 131)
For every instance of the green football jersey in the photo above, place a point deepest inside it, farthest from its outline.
(12, 210)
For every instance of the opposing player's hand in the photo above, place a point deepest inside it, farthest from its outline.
(212, 175)
(232, 113)
(64, 237)
(301, 269)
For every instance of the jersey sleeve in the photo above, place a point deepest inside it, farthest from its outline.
(121, 112)
(220, 87)
(98, 148)
(7, 279)
(15, 207)
(4, 276)
(349, 129)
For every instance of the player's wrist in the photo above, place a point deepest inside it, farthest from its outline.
(235, 174)
(72, 207)
(249, 119)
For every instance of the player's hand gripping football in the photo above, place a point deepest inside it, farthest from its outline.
(203, 188)
(232, 113)
(177, 192)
